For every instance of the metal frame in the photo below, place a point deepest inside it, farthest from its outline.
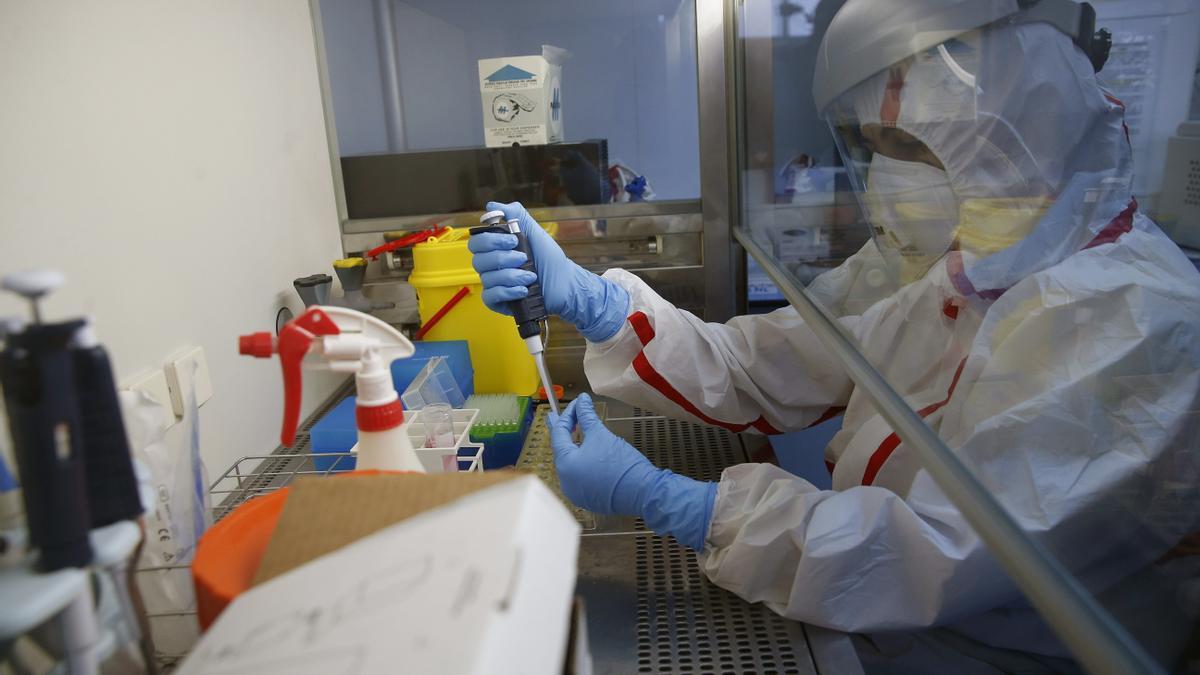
(580, 212)
(724, 261)
(385, 33)
(335, 163)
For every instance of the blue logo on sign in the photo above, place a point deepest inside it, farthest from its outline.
(508, 74)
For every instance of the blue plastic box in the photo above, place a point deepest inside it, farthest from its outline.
(404, 371)
(336, 432)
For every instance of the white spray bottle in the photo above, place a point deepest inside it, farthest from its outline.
(348, 341)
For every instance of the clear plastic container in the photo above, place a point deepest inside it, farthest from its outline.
(439, 430)
(434, 384)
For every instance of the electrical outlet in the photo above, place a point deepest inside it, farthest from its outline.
(185, 369)
(154, 384)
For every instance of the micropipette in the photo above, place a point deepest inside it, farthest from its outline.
(530, 311)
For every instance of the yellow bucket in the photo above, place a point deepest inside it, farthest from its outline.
(441, 267)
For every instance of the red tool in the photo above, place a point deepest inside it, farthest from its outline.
(407, 240)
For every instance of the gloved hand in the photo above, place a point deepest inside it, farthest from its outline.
(605, 474)
(597, 307)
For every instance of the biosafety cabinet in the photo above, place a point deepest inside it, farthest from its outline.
(693, 155)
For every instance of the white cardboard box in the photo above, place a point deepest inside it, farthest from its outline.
(481, 585)
(522, 98)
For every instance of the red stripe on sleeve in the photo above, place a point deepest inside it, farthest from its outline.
(889, 444)
(641, 326)
(646, 371)
(1122, 223)
(828, 415)
(765, 427)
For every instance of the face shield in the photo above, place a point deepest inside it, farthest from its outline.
(933, 170)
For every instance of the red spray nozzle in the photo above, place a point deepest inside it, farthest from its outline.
(293, 343)
(258, 345)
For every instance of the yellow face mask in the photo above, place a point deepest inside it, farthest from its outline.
(990, 225)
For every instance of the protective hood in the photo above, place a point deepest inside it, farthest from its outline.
(1016, 116)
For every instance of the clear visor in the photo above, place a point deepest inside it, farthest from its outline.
(891, 131)
(905, 194)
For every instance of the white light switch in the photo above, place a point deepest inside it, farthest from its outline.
(154, 384)
(180, 369)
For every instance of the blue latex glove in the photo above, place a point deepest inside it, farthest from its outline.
(604, 474)
(597, 307)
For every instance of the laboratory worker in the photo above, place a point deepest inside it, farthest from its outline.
(1013, 294)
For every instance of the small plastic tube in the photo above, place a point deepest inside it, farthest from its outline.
(439, 429)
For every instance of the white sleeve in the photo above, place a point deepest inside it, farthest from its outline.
(857, 560)
(767, 373)
(1074, 410)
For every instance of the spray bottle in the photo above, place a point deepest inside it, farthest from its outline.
(344, 340)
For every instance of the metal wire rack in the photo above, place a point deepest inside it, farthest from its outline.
(255, 475)
(249, 477)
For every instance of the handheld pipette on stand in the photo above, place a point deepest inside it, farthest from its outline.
(530, 311)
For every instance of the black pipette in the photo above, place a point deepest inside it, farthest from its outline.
(530, 311)
(112, 484)
(38, 374)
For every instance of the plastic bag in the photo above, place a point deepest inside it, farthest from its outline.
(175, 493)
(174, 489)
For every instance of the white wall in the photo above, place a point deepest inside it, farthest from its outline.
(171, 158)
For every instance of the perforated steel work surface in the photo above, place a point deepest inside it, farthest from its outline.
(650, 608)
(684, 620)
(688, 449)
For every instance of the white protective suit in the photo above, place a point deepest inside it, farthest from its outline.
(1063, 369)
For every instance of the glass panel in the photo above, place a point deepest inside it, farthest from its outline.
(977, 207)
(411, 102)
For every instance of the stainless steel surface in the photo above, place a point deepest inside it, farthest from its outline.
(1099, 642)
(579, 212)
(650, 608)
(664, 249)
(645, 241)
(724, 273)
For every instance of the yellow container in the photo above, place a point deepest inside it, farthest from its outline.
(441, 267)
